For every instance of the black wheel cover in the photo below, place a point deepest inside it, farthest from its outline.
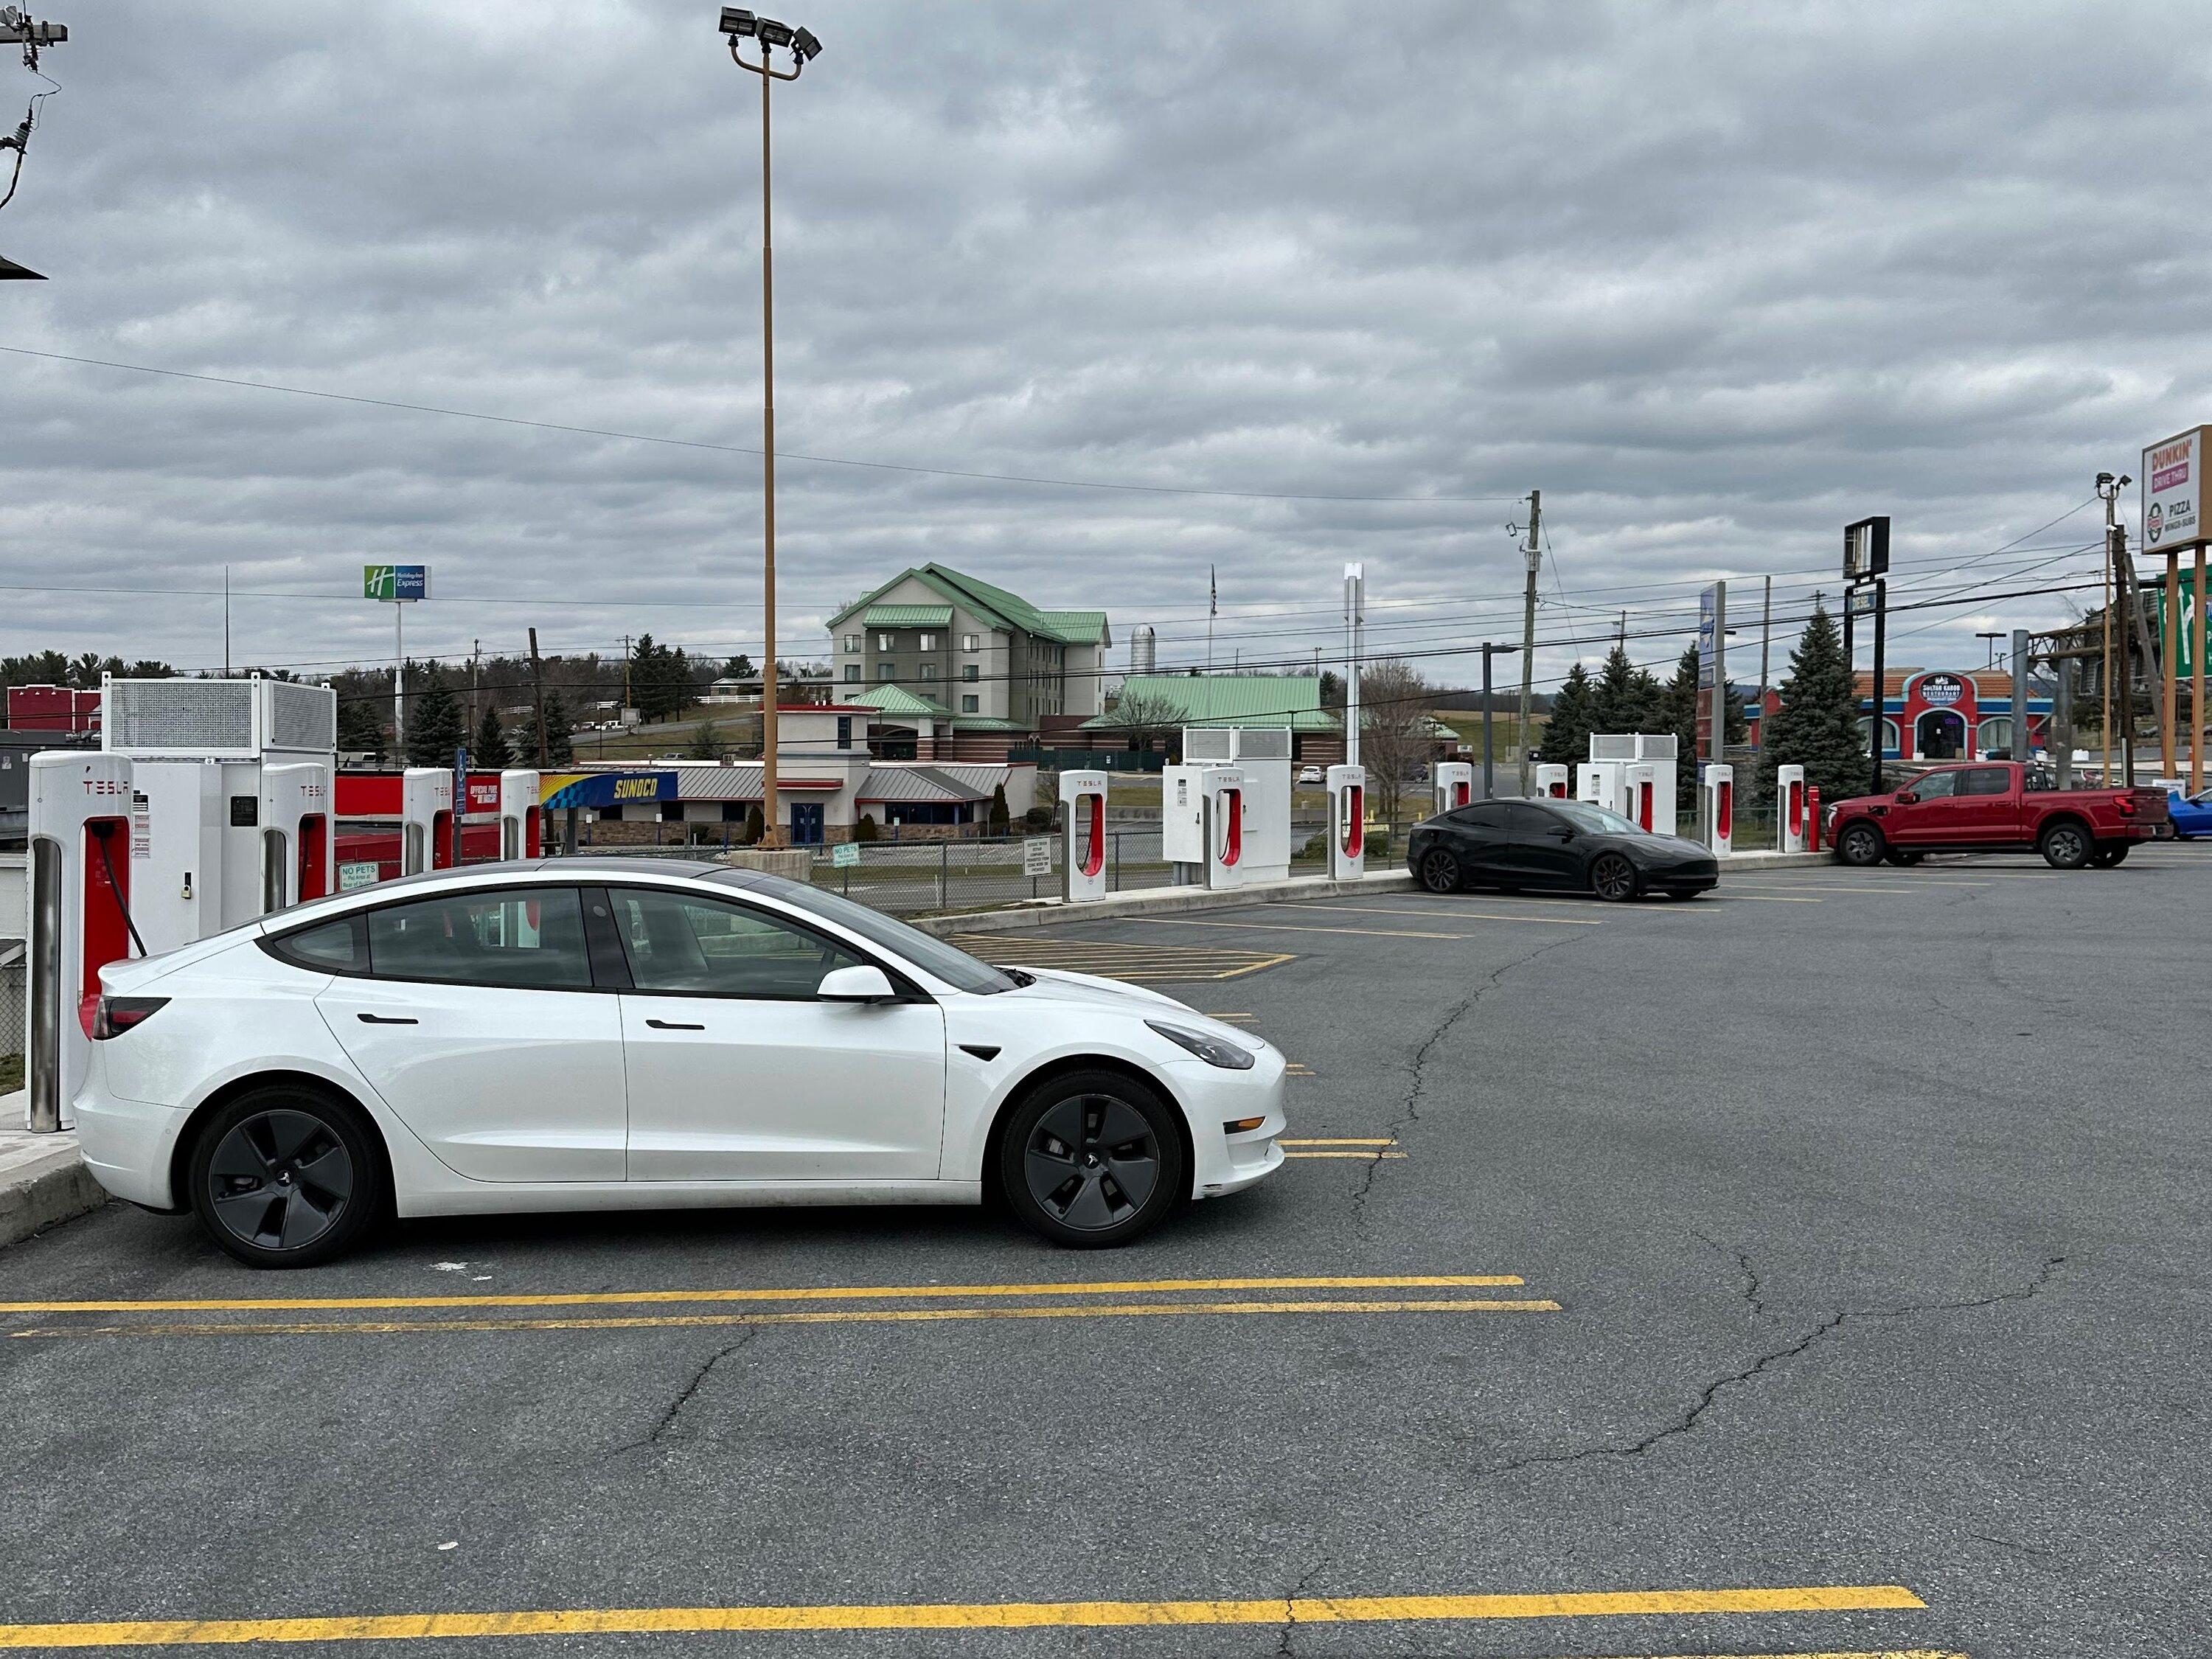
(1439, 870)
(1861, 845)
(280, 1180)
(2065, 847)
(1091, 1162)
(1612, 876)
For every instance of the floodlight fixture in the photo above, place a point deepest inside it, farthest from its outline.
(804, 43)
(773, 34)
(738, 22)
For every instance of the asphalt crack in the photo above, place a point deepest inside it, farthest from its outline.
(1288, 1635)
(1409, 1109)
(1774, 1358)
(675, 1407)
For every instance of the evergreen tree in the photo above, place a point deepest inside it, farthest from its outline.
(739, 667)
(706, 743)
(1566, 734)
(998, 816)
(756, 825)
(490, 750)
(560, 749)
(361, 726)
(1678, 709)
(435, 727)
(1817, 726)
(1625, 697)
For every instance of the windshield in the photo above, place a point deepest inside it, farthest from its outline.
(933, 955)
(1595, 819)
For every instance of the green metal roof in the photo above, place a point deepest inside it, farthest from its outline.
(908, 615)
(1078, 626)
(985, 723)
(897, 700)
(1292, 700)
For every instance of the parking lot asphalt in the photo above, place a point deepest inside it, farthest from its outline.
(1859, 1223)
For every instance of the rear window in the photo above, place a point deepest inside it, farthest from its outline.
(334, 947)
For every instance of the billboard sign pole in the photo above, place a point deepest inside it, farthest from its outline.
(398, 586)
(1866, 564)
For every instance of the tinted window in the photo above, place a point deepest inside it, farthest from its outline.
(933, 955)
(709, 948)
(335, 947)
(1986, 780)
(1530, 823)
(1487, 817)
(1936, 786)
(1595, 819)
(532, 937)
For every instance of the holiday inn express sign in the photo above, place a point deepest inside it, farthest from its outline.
(2173, 482)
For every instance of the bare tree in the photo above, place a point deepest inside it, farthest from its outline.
(1394, 718)
(1143, 716)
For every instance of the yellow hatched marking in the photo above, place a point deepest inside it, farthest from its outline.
(1285, 928)
(1113, 959)
(965, 1616)
(857, 1316)
(1345, 1141)
(819, 1293)
(1364, 1158)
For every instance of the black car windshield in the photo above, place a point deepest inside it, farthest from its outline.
(933, 955)
(1595, 819)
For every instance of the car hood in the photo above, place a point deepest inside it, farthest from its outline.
(1058, 985)
(1673, 847)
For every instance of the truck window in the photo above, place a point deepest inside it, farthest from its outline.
(1986, 780)
(1936, 786)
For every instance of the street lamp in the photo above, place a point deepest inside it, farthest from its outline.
(1488, 652)
(803, 48)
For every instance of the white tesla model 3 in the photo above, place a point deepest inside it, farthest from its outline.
(608, 1033)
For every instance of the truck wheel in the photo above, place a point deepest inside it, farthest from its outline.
(2065, 846)
(1903, 859)
(1859, 844)
(2109, 856)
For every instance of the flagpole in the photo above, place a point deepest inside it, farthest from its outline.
(1213, 606)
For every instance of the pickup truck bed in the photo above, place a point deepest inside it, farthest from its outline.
(1995, 806)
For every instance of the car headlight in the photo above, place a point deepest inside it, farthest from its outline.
(1211, 1049)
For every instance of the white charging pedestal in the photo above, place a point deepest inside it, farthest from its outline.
(521, 820)
(1455, 785)
(1552, 780)
(79, 894)
(426, 819)
(297, 854)
(1347, 823)
(1638, 786)
(1083, 836)
(1790, 833)
(1222, 799)
(1718, 781)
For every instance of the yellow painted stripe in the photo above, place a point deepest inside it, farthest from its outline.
(1365, 1140)
(1726, 896)
(1367, 1157)
(1283, 927)
(1416, 912)
(857, 1316)
(963, 1616)
(820, 1293)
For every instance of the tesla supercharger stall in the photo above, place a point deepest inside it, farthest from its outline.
(426, 819)
(1552, 780)
(521, 819)
(1083, 832)
(297, 849)
(1789, 809)
(1347, 823)
(1719, 785)
(79, 825)
(1455, 785)
(1599, 783)
(1221, 797)
(1639, 788)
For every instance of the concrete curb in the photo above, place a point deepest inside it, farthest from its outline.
(1160, 901)
(42, 1178)
(1769, 861)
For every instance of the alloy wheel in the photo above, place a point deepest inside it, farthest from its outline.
(280, 1179)
(1613, 877)
(1091, 1160)
(1440, 871)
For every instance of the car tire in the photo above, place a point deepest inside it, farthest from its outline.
(1076, 1152)
(1861, 846)
(2109, 858)
(2065, 846)
(1902, 858)
(1440, 871)
(286, 1177)
(1614, 878)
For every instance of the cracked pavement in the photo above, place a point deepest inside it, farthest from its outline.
(1858, 1285)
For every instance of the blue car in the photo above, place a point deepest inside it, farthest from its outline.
(2191, 814)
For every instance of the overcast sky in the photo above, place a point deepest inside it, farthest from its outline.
(1716, 279)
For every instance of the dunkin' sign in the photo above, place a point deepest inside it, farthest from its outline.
(2171, 473)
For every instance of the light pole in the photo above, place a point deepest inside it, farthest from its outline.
(740, 25)
(1488, 757)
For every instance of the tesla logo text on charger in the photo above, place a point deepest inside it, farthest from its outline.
(105, 787)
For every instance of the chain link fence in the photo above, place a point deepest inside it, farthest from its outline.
(14, 991)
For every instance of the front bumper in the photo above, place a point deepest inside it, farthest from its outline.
(1212, 1097)
(1700, 875)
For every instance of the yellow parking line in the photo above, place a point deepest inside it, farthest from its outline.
(1239, 1017)
(821, 1293)
(1361, 1141)
(857, 1316)
(1367, 1158)
(1726, 896)
(1417, 912)
(965, 1616)
(1280, 927)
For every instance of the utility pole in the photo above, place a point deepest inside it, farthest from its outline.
(1533, 557)
(2110, 492)
(1355, 628)
(226, 622)
(1765, 645)
(476, 715)
(2146, 649)
(537, 698)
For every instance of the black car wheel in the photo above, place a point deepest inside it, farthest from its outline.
(1092, 1160)
(2065, 846)
(1903, 859)
(1860, 845)
(284, 1177)
(2108, 857)
(1613, 877)
(1440, 871)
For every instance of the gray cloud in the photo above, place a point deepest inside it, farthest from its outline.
(1716, 278)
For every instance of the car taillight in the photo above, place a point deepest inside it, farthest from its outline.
(117, 1015)
(2127, 805)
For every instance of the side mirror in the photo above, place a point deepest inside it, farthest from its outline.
(860, 984)
(1563, 832)
(1906, 798)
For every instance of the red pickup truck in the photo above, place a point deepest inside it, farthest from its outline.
(1996, 807)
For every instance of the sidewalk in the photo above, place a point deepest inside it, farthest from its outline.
(42, 1179)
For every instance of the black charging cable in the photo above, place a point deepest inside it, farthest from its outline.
(103, 831)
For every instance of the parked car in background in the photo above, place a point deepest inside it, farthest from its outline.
(1999, 806)
(1309, 774)
(1567, 844)
(2191, 814)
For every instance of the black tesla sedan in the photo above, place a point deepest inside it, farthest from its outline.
(1556, 844)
